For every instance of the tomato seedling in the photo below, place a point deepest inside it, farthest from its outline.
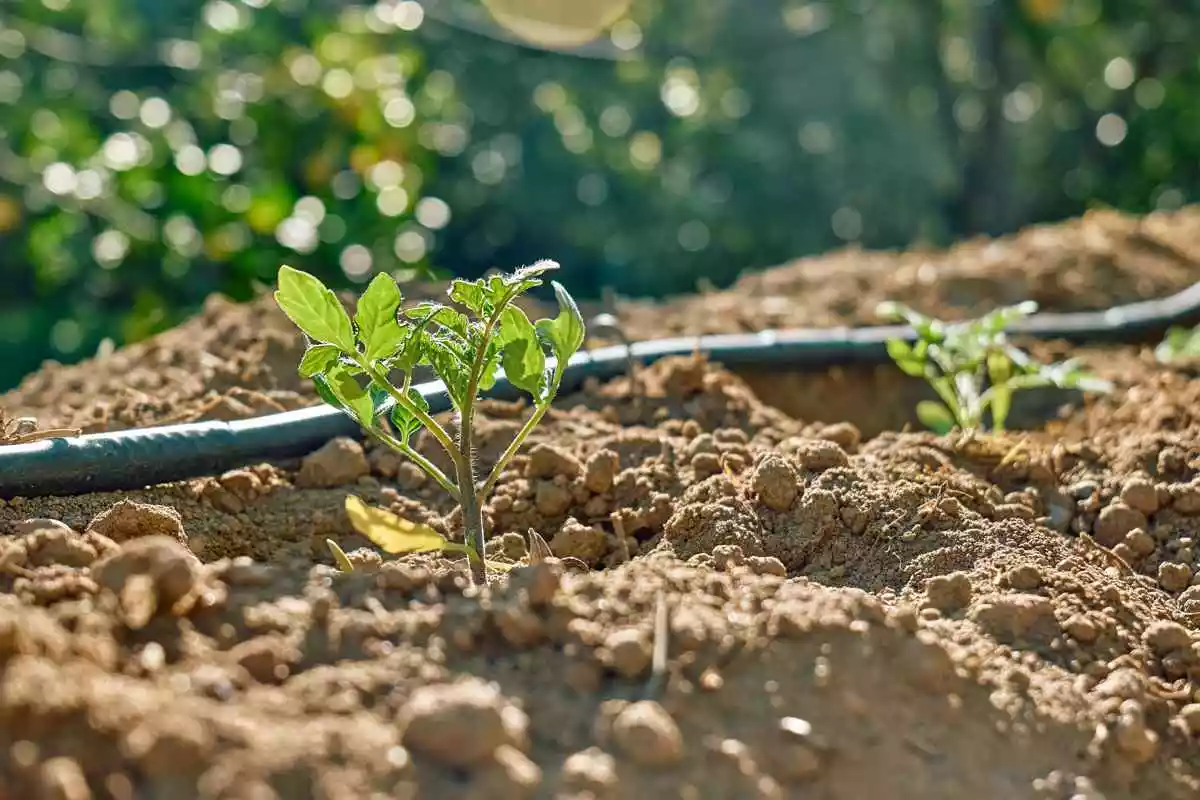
(973, 367)
(351, 363)
(1180, 344)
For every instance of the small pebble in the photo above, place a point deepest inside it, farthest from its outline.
(628, 651)
(1174, 577)
(1189, 715)
(774, 482)
(1165, 636)
(591, 770)
(648, 735)
(1140, 494)
(458, 724)
(949, 592)
(338, 462)
(1141, 543)
(1115, 521)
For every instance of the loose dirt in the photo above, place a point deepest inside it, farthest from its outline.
(846, 609)
(1090, 263)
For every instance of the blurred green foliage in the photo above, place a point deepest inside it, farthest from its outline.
(155, 151)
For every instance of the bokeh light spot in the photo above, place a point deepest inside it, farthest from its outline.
(1111, 130)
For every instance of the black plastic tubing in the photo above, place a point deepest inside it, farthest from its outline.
(134, 459)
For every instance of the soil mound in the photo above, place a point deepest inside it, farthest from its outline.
(1101, 259)
(760, 589)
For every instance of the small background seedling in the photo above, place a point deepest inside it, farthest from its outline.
(973, 367)
(351, 363)
(1180, 344)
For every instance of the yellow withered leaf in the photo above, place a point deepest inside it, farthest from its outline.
(339, 556)
(391, 533)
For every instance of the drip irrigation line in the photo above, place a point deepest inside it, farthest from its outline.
(133, 459)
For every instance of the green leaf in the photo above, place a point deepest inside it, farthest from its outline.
(1000, 369)
(1033, 380)
(444, 316)
(378, 328)
(1002, 318)
(471, 294)
(1020, 359)
(1069, 374)
(1179, 343)
(523, 359)
(381, 402)
(318, 359)
(450, 366)
(487, 372)
(567, 331)
(935, 416)
(350, 395)
(526, 278)
(927, 328)
(944, 386)
(314, 309)
(534, 270)
(1090, 383)
(403, 421)
(321, 384)
(906, 359)
(412, 349)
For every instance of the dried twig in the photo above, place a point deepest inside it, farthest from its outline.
(1114, 559)
(24, 430)
(618, 523)
(658, 658)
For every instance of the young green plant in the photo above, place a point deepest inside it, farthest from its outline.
(973, 367)
(352, 363)
(1180, 344)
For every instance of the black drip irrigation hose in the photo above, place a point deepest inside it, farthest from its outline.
(125, 460)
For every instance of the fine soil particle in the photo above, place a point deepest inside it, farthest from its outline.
(740, 602)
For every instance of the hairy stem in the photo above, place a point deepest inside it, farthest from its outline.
(472, 512)
(421, 461)
(429, 422)
(469, 498)
(468, 411)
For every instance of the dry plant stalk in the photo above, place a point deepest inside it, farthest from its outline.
(24, 430)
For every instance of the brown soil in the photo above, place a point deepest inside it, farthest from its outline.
(847, 610)
(1094, 262)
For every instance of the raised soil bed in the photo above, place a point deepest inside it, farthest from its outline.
(849, 609)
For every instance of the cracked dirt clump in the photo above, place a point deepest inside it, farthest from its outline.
(461, 725)
(128, 519)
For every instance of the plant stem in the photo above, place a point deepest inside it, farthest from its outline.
(425, 464)
(943, 389)
(469, 498)
(513, 446)
(429, 422)
(472, 512)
